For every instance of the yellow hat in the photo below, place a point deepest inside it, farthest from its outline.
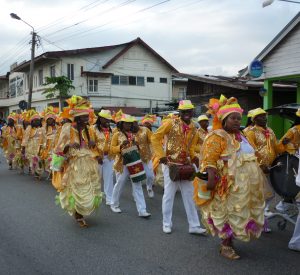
(148, 119)
(105, 114)
(79, 106)
(127, 118)
(117, 116)
(256, 112)
(202, 117)
(250, 113)
(33, 114)
(298, 112)
(185, 105)
(13, 116)
(50, 112)
(221, 108)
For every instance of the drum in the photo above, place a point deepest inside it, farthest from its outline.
(283, 175)
(132, 160)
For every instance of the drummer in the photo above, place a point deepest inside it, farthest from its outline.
(143, 141)
(290, 143)
(181, 139)
(124, 138)
(102, 136)
(263, 140)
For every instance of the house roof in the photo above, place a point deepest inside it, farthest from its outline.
(276, 40)
(123, 49)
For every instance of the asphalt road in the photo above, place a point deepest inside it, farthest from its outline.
(37, 237)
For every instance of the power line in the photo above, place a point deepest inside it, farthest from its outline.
(87, 19)
(85, 32)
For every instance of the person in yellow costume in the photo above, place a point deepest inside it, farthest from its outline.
(236, 208)
(264, 142)
(81, 188)
(181, 137)
(10, 139)
(64, 121)
(21, 159)
(121, 140)
(50, 115)
(33, 142)
(102, 135)
(148, 121)
(202, 132)
(143, 141)
(290, 142)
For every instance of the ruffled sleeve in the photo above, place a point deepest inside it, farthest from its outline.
(213, 147)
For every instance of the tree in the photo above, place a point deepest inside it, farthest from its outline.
(60, 88)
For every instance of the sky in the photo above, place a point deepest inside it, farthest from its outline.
(215, 37)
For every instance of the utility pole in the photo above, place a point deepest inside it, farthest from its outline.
(33, 42)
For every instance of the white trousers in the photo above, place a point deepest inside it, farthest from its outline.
(137, 191)
(107, 172)
(295, 240)
(187, 189)
(149, 174)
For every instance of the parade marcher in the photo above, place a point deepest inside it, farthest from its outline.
(202, 132)
(20, 159)
(102, 136)
(236, 208)
(148, 121)
(10, 140)
(50, 115)
(264, 142)
(289, 143)
(33, 142)
(143, 141)
(294, 243)
(121, 140)
(181, 137)
(81, 188)
(64, 121)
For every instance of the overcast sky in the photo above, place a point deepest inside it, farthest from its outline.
(216, 37)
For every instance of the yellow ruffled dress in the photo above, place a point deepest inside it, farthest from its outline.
(237, 207)
(81, 186)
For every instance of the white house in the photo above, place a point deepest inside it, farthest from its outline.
(125, 75)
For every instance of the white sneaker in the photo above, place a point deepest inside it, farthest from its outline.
(167, 229)
(144, 214)
(197, 230)
(150, 193)
(115, 209)
(294, 248)
(108, 203)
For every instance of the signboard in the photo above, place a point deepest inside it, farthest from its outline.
(256, 68)
(23, 105)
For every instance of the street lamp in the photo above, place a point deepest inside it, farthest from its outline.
(33, 42)
(270, 2)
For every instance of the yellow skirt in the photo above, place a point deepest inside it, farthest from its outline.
(239, 214)
(81, 184)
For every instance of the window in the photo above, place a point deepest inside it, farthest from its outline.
(150, 79)
(182, 93)
(123, 80)
(41, 78)
(70, 71)
(140, 81)
(115, 80)
(93, 85)
(132, 80)
(163, 80)
(52, 71)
